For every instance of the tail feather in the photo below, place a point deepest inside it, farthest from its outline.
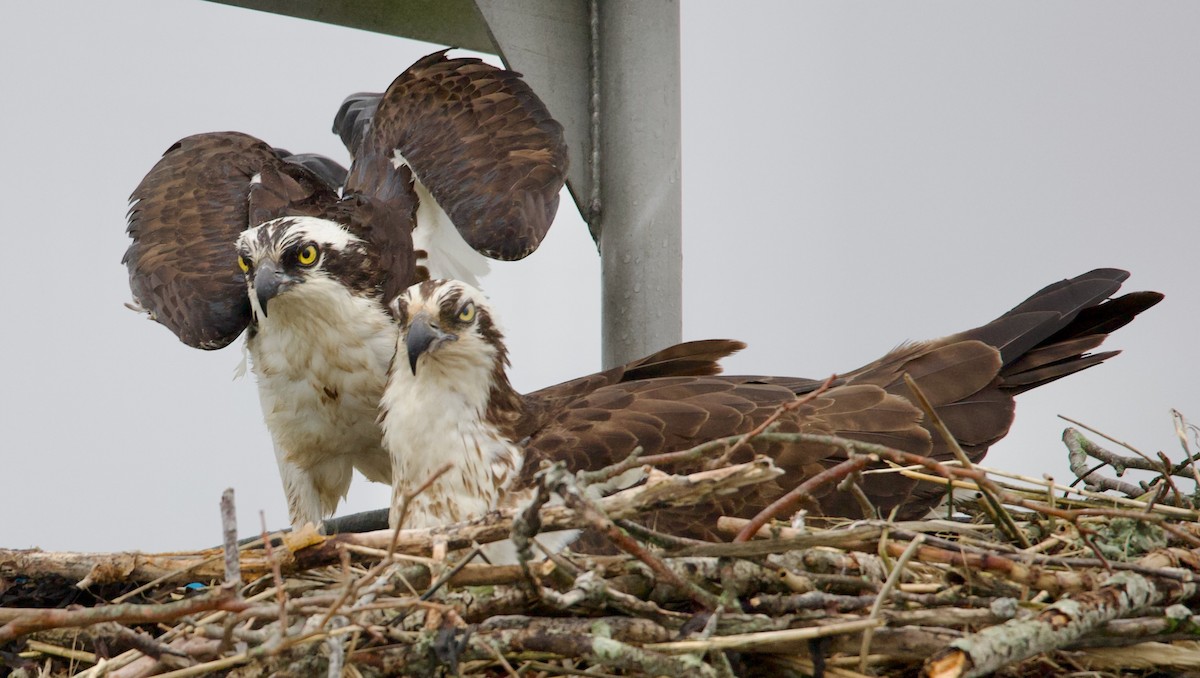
(971, 378)
(1051, 297)
(1044, 375)
(1047, 312)
(1052, 353)
(1047, 336)
(1109, 316)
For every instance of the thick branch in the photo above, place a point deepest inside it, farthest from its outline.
(1065, 621)
(37, 620)
(1080, 448)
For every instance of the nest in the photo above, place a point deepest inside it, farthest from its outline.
(1017, 576)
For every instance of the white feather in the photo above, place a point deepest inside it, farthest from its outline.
(425, 427)
(450, 256)
(321, 359)
(240, 369)
(319, 339)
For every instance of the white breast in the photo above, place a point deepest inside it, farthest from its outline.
(321, 359)
(437, 417)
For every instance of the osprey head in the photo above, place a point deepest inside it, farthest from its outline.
(450, 324)
(284, 255)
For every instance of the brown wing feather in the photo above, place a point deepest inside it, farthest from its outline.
(670, 414)
(381, 208)
(184, 217)
(970, 379)
(483, 144)
(692, 358)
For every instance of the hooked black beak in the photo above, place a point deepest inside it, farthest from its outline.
(424, 336)
(269, 281)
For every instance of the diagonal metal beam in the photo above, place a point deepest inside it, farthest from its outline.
(446, 22)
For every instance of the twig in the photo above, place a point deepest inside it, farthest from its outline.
(449, 574)
(575, 498)
(1189, 459)
(128, 657)
(1152, 466)
(1166, 476)
(1080, 448)
(566, 670)
(886, 591)
(229, 531)
(1085, 494)
(47, 648)
(766, 639)
(280, 592)
(392, 543)
(39, 620)
(994, 507)
(501, 660)
(788, 502)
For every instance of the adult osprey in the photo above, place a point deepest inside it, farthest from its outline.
(448, 398)
(229, 233)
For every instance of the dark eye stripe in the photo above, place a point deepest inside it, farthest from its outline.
(451, 303)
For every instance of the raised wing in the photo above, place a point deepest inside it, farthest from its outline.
(353, 119)
(477, 138)
(331, 173)
(187, 212)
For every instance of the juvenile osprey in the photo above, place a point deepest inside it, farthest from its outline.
(448, 398)
(229, 233)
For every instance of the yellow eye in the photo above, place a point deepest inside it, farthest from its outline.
(308, 256)
(467, 314)
(243, 264)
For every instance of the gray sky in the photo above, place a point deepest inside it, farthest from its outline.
(855, 175)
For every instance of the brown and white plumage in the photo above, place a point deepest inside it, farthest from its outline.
(970, 377)
(455, 150)
(186, 214)
(481, 141)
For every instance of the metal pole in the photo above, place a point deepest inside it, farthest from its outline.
(639, 174)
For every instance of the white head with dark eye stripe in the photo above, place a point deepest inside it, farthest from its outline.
(281, 257)
(448, 399)
(446, 326)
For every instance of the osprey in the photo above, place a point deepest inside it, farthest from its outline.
(448, 397)
(456, 159)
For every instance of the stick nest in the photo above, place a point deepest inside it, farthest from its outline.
(1015, 576)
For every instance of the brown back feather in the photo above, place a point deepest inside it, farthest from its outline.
(970, 379)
